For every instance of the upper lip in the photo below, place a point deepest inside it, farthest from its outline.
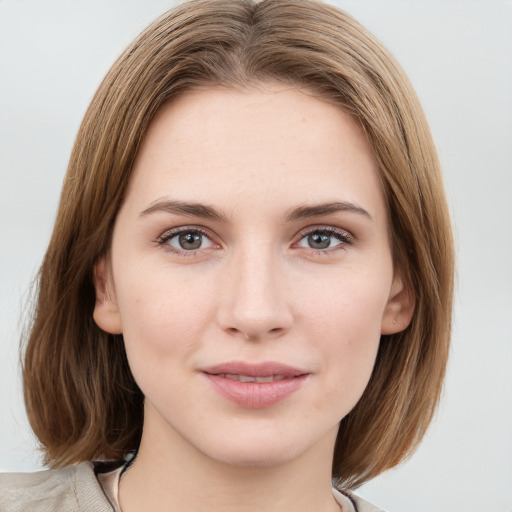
(265, 369)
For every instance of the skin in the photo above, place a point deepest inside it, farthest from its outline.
(255, 290)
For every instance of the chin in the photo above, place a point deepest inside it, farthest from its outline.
(254, 458)
(257, 450)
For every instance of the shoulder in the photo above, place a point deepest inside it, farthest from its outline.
(363, 505)
(359, 504)
(72, 488)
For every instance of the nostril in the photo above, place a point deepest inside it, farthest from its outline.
(252, 335)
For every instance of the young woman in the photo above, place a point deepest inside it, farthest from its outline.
(246, 300)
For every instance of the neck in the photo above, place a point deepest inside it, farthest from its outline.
(170, 475)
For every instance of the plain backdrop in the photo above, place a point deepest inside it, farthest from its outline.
(458, 54)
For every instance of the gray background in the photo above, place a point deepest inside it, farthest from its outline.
(458, 54)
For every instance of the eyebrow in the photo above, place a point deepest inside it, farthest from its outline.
(208, 212)
(185, 208)
(303, 212)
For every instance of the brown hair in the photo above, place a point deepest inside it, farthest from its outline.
(81, 398)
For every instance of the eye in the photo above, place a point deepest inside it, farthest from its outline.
(186, 240)
(325, 238)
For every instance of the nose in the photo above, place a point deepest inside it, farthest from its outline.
(254, 301)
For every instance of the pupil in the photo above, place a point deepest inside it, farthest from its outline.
(190, 241)
(319, 241)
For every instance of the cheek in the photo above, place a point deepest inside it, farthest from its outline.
(163, 314)
(343, 322)
(347, 304)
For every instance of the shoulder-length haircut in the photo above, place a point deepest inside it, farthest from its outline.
(80, 395)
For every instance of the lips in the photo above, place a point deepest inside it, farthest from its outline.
(255, 386)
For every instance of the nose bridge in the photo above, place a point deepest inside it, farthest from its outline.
(256, 304)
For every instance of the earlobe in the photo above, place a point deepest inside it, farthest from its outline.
(399, 308)
(106, 313)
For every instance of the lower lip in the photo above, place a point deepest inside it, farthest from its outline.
(255, 395)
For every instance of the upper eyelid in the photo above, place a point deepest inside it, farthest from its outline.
(169, 233)
(330, 229)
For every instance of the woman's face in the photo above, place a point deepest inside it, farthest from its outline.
(251, 274)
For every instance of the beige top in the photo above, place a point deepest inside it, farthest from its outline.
(78, 489)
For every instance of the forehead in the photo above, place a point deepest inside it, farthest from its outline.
(273, 142)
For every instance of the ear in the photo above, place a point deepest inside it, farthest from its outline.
(106, 313)
(400, 307)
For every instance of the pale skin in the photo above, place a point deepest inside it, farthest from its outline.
(254, 229)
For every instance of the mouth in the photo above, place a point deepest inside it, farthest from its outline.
(269, 370)
(255, 386)
(249, 378)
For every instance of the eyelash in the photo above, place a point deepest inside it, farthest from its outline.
(163, 240)
(341, 235)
